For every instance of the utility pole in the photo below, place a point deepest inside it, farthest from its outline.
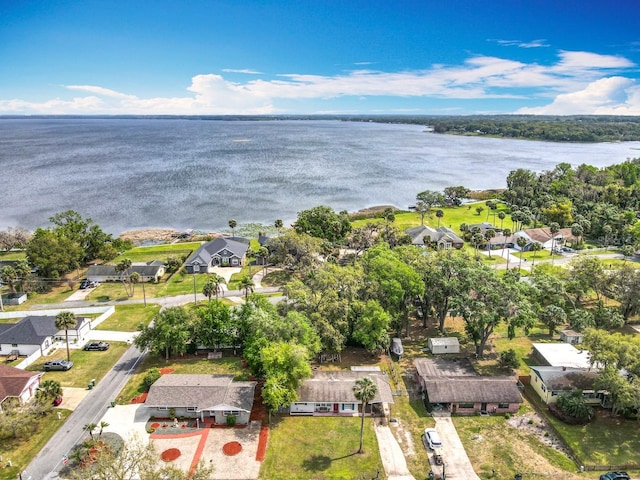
(195, 298)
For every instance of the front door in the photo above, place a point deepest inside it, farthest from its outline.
(483, 408)
(335, 408)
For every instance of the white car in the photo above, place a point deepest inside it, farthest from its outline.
(432, 438)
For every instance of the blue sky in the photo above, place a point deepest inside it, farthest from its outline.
(320, 57)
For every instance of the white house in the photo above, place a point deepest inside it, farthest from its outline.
(439, 345)
(37, 333)
(16, 383)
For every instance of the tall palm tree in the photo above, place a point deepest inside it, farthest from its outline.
(488, 235)
(278, 224)
(364, 390)
(554, 228)
(208, 289)
(247, 285)
(65, 321)
(501, 216)
(535, 247)
(90, 427)
(134, 278)
(123, 268)
(217, 281)
(506, 233)
(102, 425)
(49, 389)
(232, 225)
(522, 242)
(439, 215)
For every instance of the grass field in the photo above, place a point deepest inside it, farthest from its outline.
(320, 448)
(127, 317)
(23, 449)
(86, 365)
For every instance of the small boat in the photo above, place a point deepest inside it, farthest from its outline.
(396, 346)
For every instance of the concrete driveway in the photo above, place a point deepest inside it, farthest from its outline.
(395, 465)
(456, 461)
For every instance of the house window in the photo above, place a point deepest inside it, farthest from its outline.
(191, 409)
(554, 394)
(324, 407)
(348, 406)
(234, 261)
(196, 268)
(466, 405)
(226, 413)
(163, 408)
(503, 405)
(14, 344)
(544, 389)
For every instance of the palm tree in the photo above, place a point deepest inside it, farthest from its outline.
(522, 242)
(501, 216)
(506, 233)
(90, 427)
(123, 268)
(577, 231)
(535, 247)
(247, 285)
(49, 389)
(102, 425)
(208, 289)
(65, 321)
(217, 281)
(364, 390)
(232, 225)
(488, 235)
(278, 224)
(134, 278)
(554, 228)
(439, 215)
(476, 240)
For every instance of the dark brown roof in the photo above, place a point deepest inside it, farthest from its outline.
(205, 392)
(440, 367)
(566, 378)
(13, 381)
(473, 390)
(337, 387)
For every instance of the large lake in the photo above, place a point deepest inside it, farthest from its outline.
(138, 173)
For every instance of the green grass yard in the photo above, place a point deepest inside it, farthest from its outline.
(320, 448)
(127, 317)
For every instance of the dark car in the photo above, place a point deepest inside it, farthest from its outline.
(96, 346)
(615, 476)
(84, 284)
(57, 365)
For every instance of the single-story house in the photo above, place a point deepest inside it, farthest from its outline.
(549, 382)
(149, 272)
(544, 237)
(561, 355)
(35, 333)
(443, 237)
(17, 383)
(438, 345)
(221, 252)
(483, 227)
(210, 398)
(571, 336)
(469, 395)
(331, 393)
(436, 367)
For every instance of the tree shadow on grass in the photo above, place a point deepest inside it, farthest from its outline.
(318, 463)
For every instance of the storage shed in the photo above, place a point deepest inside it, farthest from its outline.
(444, 345)
(571, 336)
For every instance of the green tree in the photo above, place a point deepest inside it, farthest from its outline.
(364, 390)
(295, 252)
(168, 333)
(322, 222)
(488, 236)
(573, 405)
(535, 248)
(454, 195)
(439, 215)
(553, 316)
(521, 242)
(48, 391)
(90, 428)
(134, 278)
(123, 269)
(232, 225)
(285, 366)
(246, 285)
(212, 325)
(425, 201)
(64, 321)
(52, 254)
(371, 325)
(278, 224)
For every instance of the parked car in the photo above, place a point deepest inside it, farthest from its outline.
(57, 401)
(57, 365)
(84, 284)
(615, 476)
(96, 346)
(432, 438)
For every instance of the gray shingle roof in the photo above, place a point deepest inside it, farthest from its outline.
(473, 390)
(33, 330)
(337, 387)
(206, 252)
(440, 367)
(205, 392)
(147, 270)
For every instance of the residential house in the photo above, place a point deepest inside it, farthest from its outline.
(561, 355)
(210, 398)
(483, 227)
(149, 272)
(331, 393)
(571, 336)
(37, 333)
(221, 252)
(443, 237)
(454, 386)
(16, 383)
(544, 237)
(549, 382)
(438, 345)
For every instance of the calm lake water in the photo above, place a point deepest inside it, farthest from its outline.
(138, 173)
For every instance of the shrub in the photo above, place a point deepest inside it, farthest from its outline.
(151, 376)
(151, 430)
(231, 420)
(507, 416)
(509, 359)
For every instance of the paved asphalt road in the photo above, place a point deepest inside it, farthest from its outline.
(48, 462)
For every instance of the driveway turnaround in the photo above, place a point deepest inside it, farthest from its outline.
(395, 465)
(456, 461)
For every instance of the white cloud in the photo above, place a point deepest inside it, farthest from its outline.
(576, 81)
(243, 70)
(518, 43)
(606, 96)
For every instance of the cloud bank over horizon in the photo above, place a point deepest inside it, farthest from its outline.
(577, 82)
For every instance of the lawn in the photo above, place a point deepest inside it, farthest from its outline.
(23, 449)
(158, 252)
(187, 364)
(127, 317)
(320, 448)
(86, 365)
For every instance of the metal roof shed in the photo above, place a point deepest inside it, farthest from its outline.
(444, 345)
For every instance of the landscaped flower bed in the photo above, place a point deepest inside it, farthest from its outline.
(165, 371)
(232, 448)
(170, 454)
